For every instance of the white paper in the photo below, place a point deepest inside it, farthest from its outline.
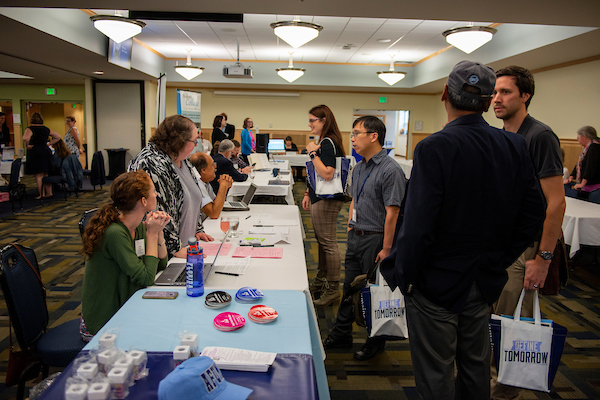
(269, 230)
(278, 238)
(237, 266)
(239, 359)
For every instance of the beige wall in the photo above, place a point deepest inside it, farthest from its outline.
(281, 113)
(565, 99)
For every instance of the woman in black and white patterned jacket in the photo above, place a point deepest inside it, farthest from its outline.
(165, 159)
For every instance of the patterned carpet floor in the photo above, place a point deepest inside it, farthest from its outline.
(51, 230)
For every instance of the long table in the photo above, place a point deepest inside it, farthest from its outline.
(581, 224)
(287, 273)
(261, 180)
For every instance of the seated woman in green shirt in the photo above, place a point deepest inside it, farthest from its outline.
(122, 253)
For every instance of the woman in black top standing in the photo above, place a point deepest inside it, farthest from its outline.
(218, 125)
(39, 155)
(4, 132)
(324, 212)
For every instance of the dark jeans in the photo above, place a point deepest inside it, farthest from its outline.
(360, 256)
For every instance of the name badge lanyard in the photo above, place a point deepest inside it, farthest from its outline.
(363, 185)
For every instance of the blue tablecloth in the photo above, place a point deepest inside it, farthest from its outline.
(153, 324)
(292, 376)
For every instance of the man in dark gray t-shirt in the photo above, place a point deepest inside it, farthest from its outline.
(513, 92)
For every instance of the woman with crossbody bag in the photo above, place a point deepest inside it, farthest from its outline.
(324, 212)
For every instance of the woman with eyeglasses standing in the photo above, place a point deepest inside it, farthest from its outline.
(324, 212)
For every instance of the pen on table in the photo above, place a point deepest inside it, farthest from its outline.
(248, 216)
(256, 245)
(264, 226)
(226, 273)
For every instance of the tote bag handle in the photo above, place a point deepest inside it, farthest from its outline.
(537, 315)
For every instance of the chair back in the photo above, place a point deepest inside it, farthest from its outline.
(85, 218)
(24, 294)
(15, 171)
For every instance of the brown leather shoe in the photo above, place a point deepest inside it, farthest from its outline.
(330, 295)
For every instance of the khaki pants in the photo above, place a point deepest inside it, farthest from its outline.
(506, 305)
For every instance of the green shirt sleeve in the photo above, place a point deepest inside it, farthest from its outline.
(121, 247)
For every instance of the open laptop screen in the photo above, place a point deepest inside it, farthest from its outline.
(276, 145)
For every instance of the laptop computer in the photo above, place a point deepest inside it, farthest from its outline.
(243, 205)
(175, 273)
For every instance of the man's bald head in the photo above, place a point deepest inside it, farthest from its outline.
(205, 166)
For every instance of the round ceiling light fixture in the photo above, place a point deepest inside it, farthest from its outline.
(296, 33)
(469, 38)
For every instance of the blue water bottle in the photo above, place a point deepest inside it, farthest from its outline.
(194, 269)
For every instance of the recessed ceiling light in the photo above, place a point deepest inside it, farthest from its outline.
(384, 40)
(99, 72)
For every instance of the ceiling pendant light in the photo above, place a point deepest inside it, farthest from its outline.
(188, 71)
(469, 38)
(296, 33)
(391, 77)
(290, 73)
(117, 27)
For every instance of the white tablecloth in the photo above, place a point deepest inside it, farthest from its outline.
(406, 166)
(286, 273)
(261, 180)
(295, 160)
(581, 224)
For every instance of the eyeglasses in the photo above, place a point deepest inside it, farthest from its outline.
(310, 121)
(191, 141)
(354, 134)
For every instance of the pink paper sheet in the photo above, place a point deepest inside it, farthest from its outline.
(258, 252)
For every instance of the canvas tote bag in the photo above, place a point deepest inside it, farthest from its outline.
(332, 188)
(525, 349)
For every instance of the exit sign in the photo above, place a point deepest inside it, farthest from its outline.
(50, 91)
(383, 99)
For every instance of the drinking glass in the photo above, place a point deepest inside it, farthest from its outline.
(225, 225)
(234, 223)
(252, 173)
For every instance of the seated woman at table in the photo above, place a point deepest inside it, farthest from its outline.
(122, 253)
(177, 182)
(586, 173)
(235, 157)
(290, 145)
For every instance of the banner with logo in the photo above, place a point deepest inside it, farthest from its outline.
(188, 105)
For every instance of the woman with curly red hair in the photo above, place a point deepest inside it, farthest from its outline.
(122, 251)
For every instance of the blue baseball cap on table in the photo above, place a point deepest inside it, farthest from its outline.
(199, 378)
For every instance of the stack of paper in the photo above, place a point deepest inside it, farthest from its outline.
(240, 359)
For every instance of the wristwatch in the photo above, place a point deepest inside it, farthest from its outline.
(312, 155)
(546, 255)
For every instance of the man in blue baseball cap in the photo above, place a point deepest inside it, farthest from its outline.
(473, 205)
